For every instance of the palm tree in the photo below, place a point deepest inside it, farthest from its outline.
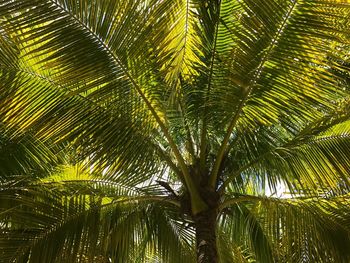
(167, 130)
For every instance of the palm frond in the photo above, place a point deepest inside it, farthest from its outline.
(26, 154)
(303, 230)
(243, 230)
(313, 156)
(72, 216)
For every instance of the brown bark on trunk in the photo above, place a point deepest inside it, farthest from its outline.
(206, 246)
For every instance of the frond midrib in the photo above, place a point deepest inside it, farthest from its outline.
(118, 62)
(225, 143)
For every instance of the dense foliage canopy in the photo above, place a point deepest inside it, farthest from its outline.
(174, 131)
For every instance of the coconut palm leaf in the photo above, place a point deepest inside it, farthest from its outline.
(71, 215)
(327, 217)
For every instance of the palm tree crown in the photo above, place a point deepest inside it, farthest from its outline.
(162, 131)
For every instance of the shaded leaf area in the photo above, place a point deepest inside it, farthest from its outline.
(282, 230)
(65, 213)
(70, 217)
(25, 154)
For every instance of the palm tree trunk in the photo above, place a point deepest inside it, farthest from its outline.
(205, 223)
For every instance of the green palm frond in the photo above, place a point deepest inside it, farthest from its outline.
(244, 230)
(316, 157)
(71, 215)
(294, 227)
(26, 154)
